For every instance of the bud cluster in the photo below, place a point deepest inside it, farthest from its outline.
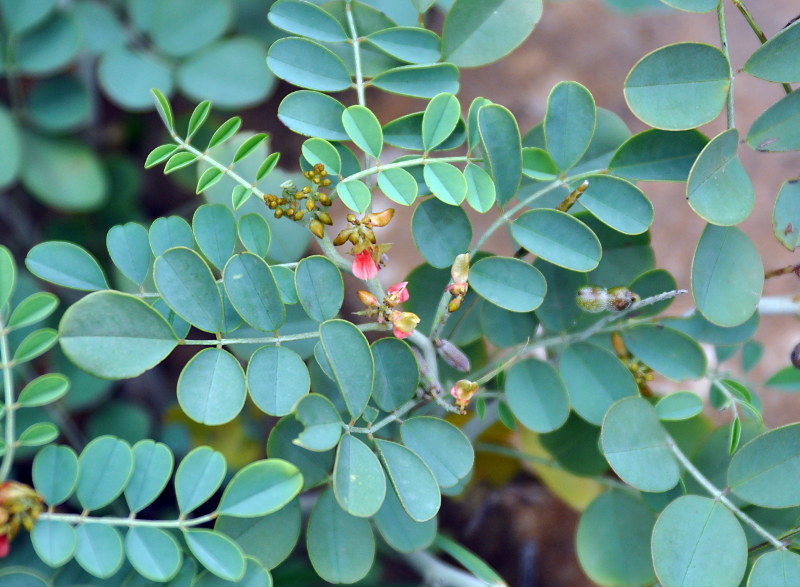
(20, 505)
(403, 323)
(304, 204)
(595, 299)
(369, 255)
(460, 274)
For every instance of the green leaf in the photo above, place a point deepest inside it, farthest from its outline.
(230, 73)
(163, 108)
(127, 76)
(323, 424)
(277, 379)
(786, 380)
(538, 164)
(261, 488)
(509, 283)
(613, 540)
(469, 561)
(396, 373)
(198, 117)
(307, 20)
(576, 447)
(129, 247)
(443, 447)
(35, 308)
(398, 185)
(476, 33)
(419, 81)
(217, 553)
(106, 466)
(359, 483)
(354, 194)
(618, 204)
(209, 177)
(38, 434)
(198, 477)
(269, 539)
(775, 129)
(502, 145)
(652, 283)
(43, 390)
(321, 151)
(214, 230)
(252, 290)
(225, 132)
(152, 470)
(569, 123)
(411, 478)
(440, 119)
(779, 568)
(704, 331)
(49, 47)
(406, 132)
(537, 395)
(697, 541)
(625, 257)
(59, 104)
(115, 335)
(409, 44)
(21, 16)
(786, 215)
(637, 448)
(314, 466)
(775, 60)
(211, 387)
(54, 541)
(307, 64)
(313, 114)
(680, 405)
(440, 232)
(658, 155)
(446, 182)
(559, 238)
(179, 29)
(719, 189)
(727, 276)
(503, 328)
(12, 149)
(8, 276)
(398, 529)
(55, 473)
(679, 86)
(481, 193)
(761, 471)
(254, 233)
(363, 129)
(351, 361)
(153, 553)
(179, 161)
(595, 379)
(99, 549)
(67, 265)
(167, 233)
(341, 547)
(187, 285)
(319, 287)
(670, 352)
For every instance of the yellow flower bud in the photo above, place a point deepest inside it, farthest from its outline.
(316, 228)
(460, 269)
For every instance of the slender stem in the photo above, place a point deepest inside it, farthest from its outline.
(776, 305)
(782, 271)
(728, 395)
(720, 496)
(8, 404)
(356, 41)
(408, 163)
(428, 352)
(435, 572)
(757, 30)
(573, 196)
(382, 423)
(129, 522)
(368, 327)
(723, 41)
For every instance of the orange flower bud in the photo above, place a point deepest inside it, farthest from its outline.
(454, 304)
(367, 298)
(380, 218)
(342, 237)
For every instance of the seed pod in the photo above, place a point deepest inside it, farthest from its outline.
(592, 298)
(620, 298)
(452, 355)
(325, 218)
(316, 228)
(342, 237)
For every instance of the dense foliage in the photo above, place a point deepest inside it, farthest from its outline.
(372, 416)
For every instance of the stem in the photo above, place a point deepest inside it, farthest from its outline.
(382, 423)
(757, 30)
(348, 9)
(435, 572)
(782, 271)
(772, 305)
(128, 522)
(720, 495)
(408, 163)
(8, 403)
(570, 200)
(368, 327)
(723, 41)
(728, 395)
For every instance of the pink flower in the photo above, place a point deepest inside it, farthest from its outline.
(404, 323)
(364, 266)
(398, 292)
(4, 545)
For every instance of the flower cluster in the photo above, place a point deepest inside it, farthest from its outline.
(460, 274)
(403, 323)
(292, 200)
(594, 299)
(369, 255)
(20, 505)
(463, 391)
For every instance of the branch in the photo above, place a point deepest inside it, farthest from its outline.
(8, 403)
(180, 523)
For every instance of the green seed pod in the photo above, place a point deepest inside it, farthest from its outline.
(592, 298)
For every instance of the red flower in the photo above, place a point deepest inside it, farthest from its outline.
(364, 266)
(4, 545)
(398, 292)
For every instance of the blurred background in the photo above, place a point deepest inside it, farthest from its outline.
(77, 122)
